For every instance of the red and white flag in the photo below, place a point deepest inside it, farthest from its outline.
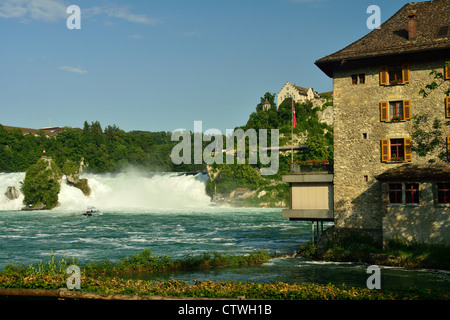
(294, 118)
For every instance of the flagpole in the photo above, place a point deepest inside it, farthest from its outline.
(292, 135)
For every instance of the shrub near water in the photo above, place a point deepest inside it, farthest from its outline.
(145, 261)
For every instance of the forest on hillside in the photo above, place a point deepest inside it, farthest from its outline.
(111, 149)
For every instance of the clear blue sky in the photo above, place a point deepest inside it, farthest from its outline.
(161, 64)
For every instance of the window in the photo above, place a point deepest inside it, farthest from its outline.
(395, 193)
(443, 32)
(403, 193)
(394, 74)
(411, 193)
(395, 110)
(359, 78)
(396, 150)
(362, 78)
(443, 193)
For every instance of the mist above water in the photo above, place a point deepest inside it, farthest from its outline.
(128, 191)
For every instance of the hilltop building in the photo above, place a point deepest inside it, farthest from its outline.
(299, 94)
(48, 131)
(380, 184)
(266, 105)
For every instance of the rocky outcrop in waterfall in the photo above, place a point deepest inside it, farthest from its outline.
(12, 193)
(41, 185)
(72, 172)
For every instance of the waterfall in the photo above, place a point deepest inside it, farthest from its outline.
(128, 191)
(10, 180)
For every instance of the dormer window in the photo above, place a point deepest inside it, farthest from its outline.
(443, 32)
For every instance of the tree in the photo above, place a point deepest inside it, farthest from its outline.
(438, 80)
(269, 97)
(426, 137)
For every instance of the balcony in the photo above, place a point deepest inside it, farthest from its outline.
(311, 193)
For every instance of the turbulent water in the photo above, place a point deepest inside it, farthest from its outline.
(171, 214)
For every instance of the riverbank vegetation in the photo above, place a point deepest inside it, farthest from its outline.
(109, 277)
(395, 253)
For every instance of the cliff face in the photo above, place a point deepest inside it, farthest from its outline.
(41, 185)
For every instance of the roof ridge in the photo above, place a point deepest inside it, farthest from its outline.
(390, 38)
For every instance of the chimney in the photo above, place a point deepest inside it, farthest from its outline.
(412, 24)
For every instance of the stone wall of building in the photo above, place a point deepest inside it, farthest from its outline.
(424, 223)
(358, 132)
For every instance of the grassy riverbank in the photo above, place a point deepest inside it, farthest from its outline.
(107, 277)
(395, 253)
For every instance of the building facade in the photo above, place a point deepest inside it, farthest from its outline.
(299, 94)
(377, 83)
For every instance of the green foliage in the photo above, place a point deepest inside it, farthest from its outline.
(269, 97)
(232, 176)
(143, 261)
(108, 150)
(106, 278)
(438, 80)
(70, 168)
(41, 184)
(427, 137)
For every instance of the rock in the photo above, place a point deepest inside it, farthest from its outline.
(83, 185)
(31, 207)
(12, 193)
(72, 171)
(41, 185)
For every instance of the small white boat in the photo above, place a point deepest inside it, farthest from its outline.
(92, 211)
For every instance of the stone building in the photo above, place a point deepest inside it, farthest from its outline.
(299, 94)
(381, 184)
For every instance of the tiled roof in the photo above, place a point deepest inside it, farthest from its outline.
(392, 37)
(414, 172)
(49, 131)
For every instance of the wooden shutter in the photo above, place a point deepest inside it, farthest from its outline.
(447, 106)
(385, 150)
(447, 70)
(384, 111)
(405, 73)
(384, 76)
(407, 109)
(408, 150)
(448, 147)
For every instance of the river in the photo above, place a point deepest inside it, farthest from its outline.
(170, 214)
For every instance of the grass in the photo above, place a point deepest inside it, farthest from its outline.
(143, 261)
(105, 277)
